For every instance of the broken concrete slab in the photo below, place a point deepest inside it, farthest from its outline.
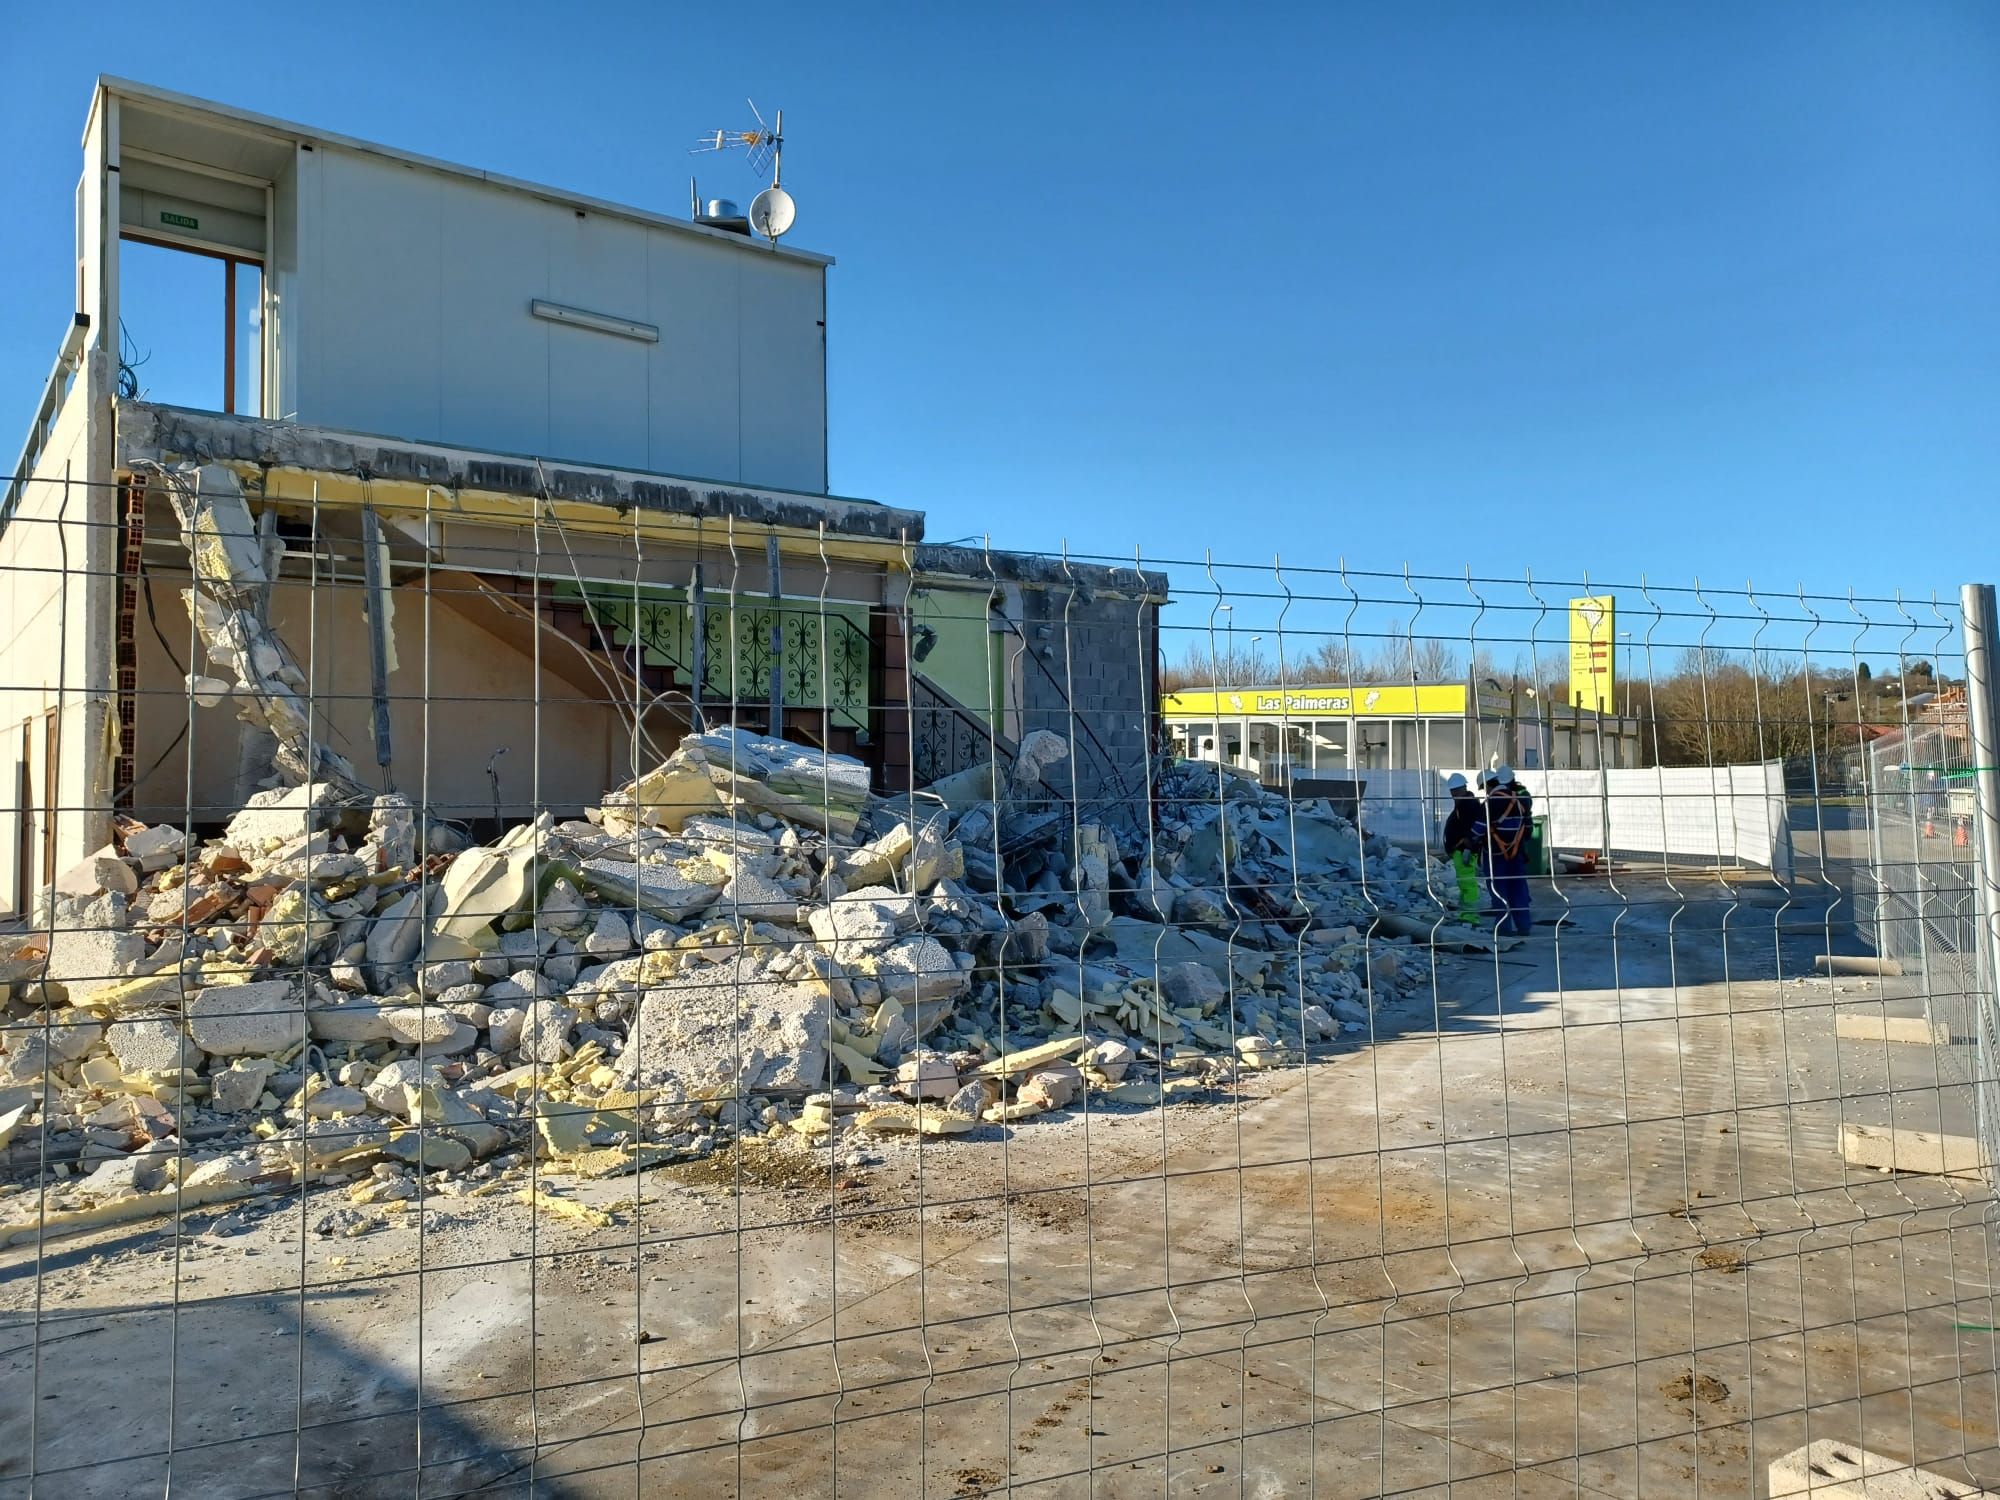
(724, 1031)
(481, 887)
(1920, 1151)
(153, 1044)
(239, 1086)
(280, 816)
(918, 970)
(658, 889)
(862, 919)
(1907, 1030)
(238, 1019)
(395, 934)
(419, 1025)
(335, 1017)
(1829, 1469)
(157, 847)
(757, 898)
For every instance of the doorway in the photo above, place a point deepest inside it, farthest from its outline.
(193, 327)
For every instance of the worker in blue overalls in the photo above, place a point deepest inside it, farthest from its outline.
(1507, 851)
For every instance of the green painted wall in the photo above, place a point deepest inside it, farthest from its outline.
(825, 661)
(966, 660)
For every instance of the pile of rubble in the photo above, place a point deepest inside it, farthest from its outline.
(744, 941)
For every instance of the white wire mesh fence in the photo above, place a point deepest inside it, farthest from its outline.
(569, 1004)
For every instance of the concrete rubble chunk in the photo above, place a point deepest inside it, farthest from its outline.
(725, 1032)
(392, 829)
(876, 860)
(334, 1017)
(757, 897)
(436, 978)
(545, 1031)
(974, 1098)
(336, 1103)
(90, 947)
(1110, 1058)
(868, 917)
(1051, 1087)
(111, 871)
(239, 1086)
(918, 970)
(430, 1150)
(481, 887)
(152, 1044)
(419, 1025)
(157, 847)
(926, 1075)
(609, 937)
(1192, 984)
(233, 1020)
(394, 1088)
(395, 934)
(659, 889)
(503, 1027)
(278, 816)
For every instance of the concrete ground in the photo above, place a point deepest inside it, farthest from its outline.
(1574, 1223)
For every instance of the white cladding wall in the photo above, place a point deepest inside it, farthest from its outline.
(406, 293)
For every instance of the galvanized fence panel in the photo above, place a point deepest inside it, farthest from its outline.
(479, 1021)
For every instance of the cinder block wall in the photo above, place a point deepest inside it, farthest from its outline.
(1095, 655)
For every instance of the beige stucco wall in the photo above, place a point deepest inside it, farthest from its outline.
(44, 655)
(458, 694)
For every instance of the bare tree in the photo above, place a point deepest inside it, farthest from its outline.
(1424, 659)
(1212, 664)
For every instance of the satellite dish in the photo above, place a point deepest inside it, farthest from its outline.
(772, 212)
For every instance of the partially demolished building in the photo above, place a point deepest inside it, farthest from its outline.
(391, 803)
(557, 463)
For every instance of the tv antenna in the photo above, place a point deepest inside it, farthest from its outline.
(763, 147)
(772, 211)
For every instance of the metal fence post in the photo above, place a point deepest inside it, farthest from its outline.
(1983, 722)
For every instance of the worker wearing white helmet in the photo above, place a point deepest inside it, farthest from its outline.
(1464, 841)
(1507, 850)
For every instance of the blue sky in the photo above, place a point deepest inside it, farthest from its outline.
(1680, 291)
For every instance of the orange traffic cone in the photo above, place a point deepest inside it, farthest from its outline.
(1961, 835)
(1930, 828)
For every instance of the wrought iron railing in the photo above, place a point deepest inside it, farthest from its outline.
(946, 737)
(824, 660)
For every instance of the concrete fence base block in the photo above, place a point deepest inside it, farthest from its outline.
(1888, 1150)
(1833, 1470)
(1913, 1029)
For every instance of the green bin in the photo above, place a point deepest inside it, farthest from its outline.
(1538, 849)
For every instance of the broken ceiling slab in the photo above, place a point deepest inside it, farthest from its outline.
(148, 432)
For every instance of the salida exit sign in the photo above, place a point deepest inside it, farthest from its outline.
(179, 221)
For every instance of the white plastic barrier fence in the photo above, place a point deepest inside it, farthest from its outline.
(1717, 814)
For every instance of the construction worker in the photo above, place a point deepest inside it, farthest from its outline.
(1507, 851)
(1464, 842)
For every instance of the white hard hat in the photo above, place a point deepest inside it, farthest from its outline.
(1504, 775)
(1486, 778)
(1454, 782)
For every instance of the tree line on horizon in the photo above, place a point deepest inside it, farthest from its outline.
(1710, 706)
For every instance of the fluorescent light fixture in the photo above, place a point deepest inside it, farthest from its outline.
(577, 317)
